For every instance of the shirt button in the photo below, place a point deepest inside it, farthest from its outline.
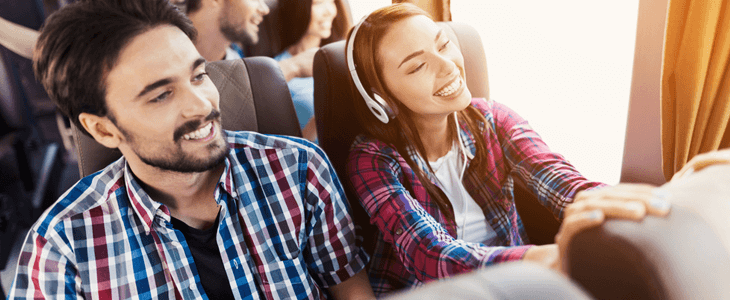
(399, 231)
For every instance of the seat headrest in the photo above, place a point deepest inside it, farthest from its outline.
(253, 96)
(680, 256)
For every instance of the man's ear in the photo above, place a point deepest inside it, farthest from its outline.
(102, 129)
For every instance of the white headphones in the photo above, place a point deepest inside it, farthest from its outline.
(376, 104)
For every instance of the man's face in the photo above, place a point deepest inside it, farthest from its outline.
(239, 20)
(164, 104)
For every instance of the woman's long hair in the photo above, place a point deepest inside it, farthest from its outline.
(401, 131)
(294, 17)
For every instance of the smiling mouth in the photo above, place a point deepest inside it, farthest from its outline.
(451, 88)
(200, 133)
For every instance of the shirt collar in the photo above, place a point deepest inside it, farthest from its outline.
(146, 208)
(142, 203)
(226, 182)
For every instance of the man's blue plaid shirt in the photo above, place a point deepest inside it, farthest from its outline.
(285, 232)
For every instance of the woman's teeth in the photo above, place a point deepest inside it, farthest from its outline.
(450, 89)
(200, 133)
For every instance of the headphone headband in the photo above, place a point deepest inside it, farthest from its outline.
(376, 104)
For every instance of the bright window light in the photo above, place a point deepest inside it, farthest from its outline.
(359, 8)
(565, 66)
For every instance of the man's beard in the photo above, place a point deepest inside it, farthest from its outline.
(236, 33)
(179, 161)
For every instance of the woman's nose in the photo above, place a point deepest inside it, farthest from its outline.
(331, 10)
(445, 65)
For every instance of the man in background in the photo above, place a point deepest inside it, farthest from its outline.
(221, 23)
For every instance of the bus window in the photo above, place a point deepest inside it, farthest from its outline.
(360, 8)
(565, 66)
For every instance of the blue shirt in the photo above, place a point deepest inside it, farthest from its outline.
(302, 94)
(285, 232)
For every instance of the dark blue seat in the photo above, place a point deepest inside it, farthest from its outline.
(30, 151)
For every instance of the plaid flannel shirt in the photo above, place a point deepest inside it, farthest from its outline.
(285, 232)
(416, 242)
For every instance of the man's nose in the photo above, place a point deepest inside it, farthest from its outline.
(196, 104)
(263, 8)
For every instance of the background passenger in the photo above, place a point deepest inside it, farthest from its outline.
(222, 23)
(435, 169)
(306, 25)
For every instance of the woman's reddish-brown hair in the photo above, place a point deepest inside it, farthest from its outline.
(401, 131)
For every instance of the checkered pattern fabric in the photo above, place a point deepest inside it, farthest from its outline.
(416, 242)
(285, 232)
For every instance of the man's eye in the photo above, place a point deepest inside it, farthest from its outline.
(444, 46)
(417, 68)
(200, 76)
(161, 97)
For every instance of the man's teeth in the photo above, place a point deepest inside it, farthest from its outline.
(200, 133)
(450, 89)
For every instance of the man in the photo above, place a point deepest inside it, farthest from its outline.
(221, 22)
(190, 211)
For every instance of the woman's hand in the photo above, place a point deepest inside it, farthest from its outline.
(703, 160)
(591, 208)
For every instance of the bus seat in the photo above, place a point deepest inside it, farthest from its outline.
(337, 128)
(682, 256)
(253, 96)
(513, 280)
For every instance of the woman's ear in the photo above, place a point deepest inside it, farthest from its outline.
(101, 129)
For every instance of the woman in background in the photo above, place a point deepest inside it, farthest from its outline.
(306, 25)
(435, 168)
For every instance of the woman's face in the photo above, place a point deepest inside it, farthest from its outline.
(422, 68)
(323, 13)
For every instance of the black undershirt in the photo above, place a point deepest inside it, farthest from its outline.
(207, 259)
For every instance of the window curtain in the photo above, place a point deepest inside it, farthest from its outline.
(695, 94)
(440, 10)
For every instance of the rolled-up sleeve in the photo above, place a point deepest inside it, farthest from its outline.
(334, 252)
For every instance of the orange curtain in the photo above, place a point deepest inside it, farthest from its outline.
(695, 95)
(440, 10)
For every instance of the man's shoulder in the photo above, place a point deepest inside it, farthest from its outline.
(246, 141)
(89, 192)
(260, 141)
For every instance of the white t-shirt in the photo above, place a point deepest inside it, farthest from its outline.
(471, 224)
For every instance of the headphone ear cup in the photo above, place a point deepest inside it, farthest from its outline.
(379, 108)
(384, 105)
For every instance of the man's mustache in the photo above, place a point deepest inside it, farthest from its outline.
(194, 125)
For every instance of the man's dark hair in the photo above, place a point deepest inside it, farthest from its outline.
(80, 44)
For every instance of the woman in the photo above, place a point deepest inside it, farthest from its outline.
(435, 168)
(305, 25)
